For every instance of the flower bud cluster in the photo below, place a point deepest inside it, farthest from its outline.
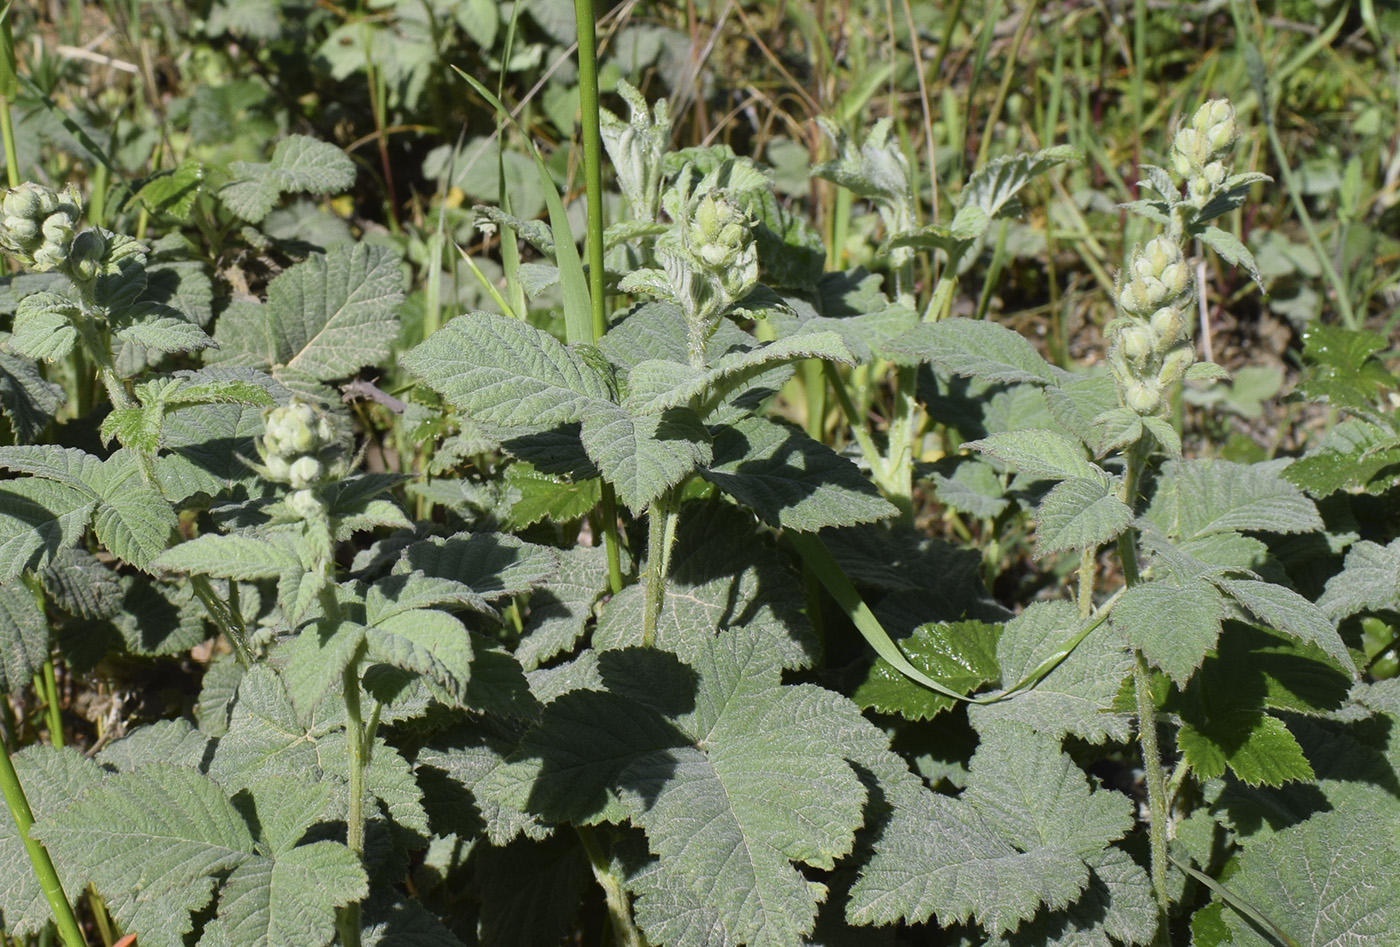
(38, 226)
(718, 241)
(1200, 150)
(1150, 344)
(299, 447)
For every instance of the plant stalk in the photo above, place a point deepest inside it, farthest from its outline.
(44, 870)
(661, 533)
(625, 930)
(590, 120)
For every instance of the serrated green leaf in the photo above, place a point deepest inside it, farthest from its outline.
(38, 518)
(729, 792)
(1043, 455)
(28, 400)
(1172, 625)
(1199, 497)
(53, 778)
(290, 900)
(791, 480)
(974, 488)
(428, 642)
(559, 612)
(724, 577)
(299, 164)
(316, 661)
(233, 557)
(531, 890)
(156, 838)
(1343, 367)
(264, 736)
(324, 318)
(993, 186)
(133, 521)
(1079, 514)
(1231, 251)
(24, 637)
(172, 193)
(976, 349)
(1288, 612)
(1077, 696)
(654, 386)
(1369, 581)
(502, 371)
(542, 496)
(1023, 835)
(453, 770)
(644, 455)
(960, 654)
(286, 805)
(1257, 747)
(488, 564)
(165, 741)
(1329, 882)
(43, 326)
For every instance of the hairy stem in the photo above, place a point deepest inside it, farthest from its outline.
(625, 931)
(44, 870)
(899, 459)
(1154, 777)
(661, 533)
(349, 916)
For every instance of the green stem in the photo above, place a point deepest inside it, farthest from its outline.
(1088, 561)
(661, 533)
(349, 919)
(591, 121)
(226, 615)
(51, 708)
(856, 419)
(1154, 776)
(44, 870)
(625, 931)
(7, 132)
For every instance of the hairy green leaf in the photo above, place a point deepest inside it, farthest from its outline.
(1172, 625)
(155, 840)
(24, 636)
(710, 763)
(1199, 497)
(1079, 514)
(1288, 612)
(974, 348)
(28, 400)
(502, 371)
(1333, 881)
(299, 164)
(290, 900)
(644, 455)
(791, 480)
(1024, 834)
(1369, 581)
(1077, 696)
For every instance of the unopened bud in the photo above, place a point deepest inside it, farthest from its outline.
(305, 504)
(1144, 396)
(1179, 358)
(1136, 342)
(1215, 123)
(305, 472)
(1167, 324)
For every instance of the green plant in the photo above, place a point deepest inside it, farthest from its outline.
(404, 695)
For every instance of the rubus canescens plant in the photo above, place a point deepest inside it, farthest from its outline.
(440, 732)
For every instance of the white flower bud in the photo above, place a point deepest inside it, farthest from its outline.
(1177, 360)
(1167, 324)
(305, 472)
(305, 504)
(277, 468)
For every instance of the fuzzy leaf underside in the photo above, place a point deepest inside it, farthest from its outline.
(299, 164)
